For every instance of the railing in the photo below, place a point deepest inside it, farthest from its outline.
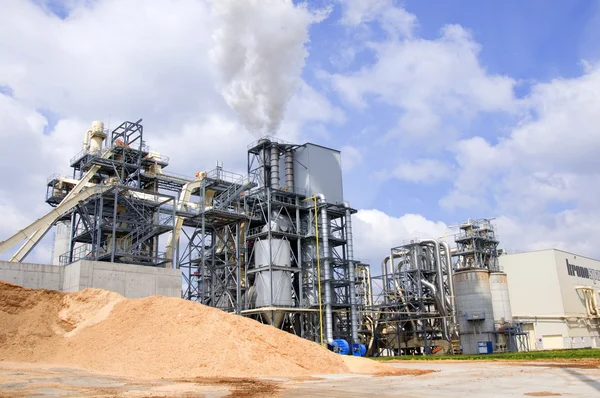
(270, 138)
(223, 175)
(232, 193)
(55, 176)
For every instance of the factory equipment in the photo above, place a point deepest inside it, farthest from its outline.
(275, 244)
(415, 312)
(482, 300)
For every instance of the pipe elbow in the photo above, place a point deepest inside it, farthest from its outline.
(321, 197)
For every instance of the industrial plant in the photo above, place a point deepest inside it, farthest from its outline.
(276, 244)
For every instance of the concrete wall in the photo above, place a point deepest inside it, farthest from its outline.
(130, 280)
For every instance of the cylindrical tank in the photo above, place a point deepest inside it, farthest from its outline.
(500, 298)
(289, 169)
(97, 136)
(278, 291)
(474, 308)
(275, 166)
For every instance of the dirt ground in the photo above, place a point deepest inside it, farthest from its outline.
(569, 378)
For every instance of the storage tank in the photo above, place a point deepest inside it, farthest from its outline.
(279, 289)
(474, 308)
(95, 136)
(500, 298)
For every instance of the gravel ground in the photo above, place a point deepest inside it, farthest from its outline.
(416, 379)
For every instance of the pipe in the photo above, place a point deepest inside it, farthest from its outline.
(289, 169)
(385, 272)
(274, 166)
(86, 140)
(351, 276)
(327, 265)
(438, 260)
(439, 304)
(448, 254)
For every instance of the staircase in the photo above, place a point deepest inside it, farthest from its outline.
(232, 193)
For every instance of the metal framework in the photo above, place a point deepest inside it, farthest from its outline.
(412, 314)
(477, 245)
(255, 245)
(125, 222)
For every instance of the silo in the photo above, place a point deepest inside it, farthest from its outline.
(500, 298)
(474, 308)
(273, 288)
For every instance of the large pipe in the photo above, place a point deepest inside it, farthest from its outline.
(327, 266)
(438, 260)
(439, 303)
(448, 254)
(289, 169)
(274, 166)
(351, 276)
(385, 272)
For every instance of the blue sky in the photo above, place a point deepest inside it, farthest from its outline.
(443, 110)
(535, 41)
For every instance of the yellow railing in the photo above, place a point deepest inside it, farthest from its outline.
(314, 198)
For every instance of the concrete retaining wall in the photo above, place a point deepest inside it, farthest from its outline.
(130, 280)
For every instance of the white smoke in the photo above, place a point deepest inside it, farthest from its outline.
(259, 47)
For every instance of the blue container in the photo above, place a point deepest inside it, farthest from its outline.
(341, 346)
(485, 347)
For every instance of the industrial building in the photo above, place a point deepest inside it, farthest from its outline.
(554, 295)
(276, 244)
(438, 300)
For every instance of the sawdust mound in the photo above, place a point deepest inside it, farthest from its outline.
(152, 337)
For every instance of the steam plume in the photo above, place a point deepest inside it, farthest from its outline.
(259, 49)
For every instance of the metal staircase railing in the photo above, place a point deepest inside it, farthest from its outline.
(232, 193)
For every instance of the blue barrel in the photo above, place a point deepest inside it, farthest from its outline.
(341, 346)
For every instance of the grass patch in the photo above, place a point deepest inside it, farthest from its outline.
(530, 355)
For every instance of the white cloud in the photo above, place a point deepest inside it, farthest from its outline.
(545, 177)
(376, 233)
(422, 170)
(395, 21)
(436, 85)
(351, 157)
(128, 60)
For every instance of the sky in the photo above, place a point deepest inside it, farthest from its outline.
(443, 110)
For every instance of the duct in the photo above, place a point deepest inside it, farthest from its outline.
(289, 169)
(448, 254)
(439, 304)
(274, 166)
(327, 265)
(438, 260)
(351, 276)
(385, 272)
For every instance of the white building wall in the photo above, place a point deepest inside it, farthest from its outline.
(533, 283)
(582, 268)
(543, 296)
